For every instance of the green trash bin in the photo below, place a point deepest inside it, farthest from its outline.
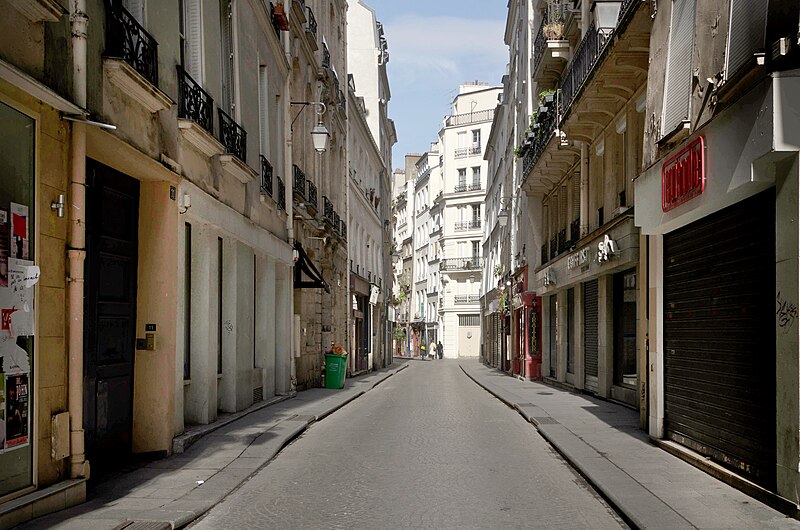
(335, 370)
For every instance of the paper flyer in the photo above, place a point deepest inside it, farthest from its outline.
(16, 302)
(17, 414)
(19, 231)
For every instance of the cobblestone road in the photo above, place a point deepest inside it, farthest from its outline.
(426, 449)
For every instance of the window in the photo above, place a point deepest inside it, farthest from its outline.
(263, 112)
(462, 139)
(187, 302)
(228, 90)
(462, 177)
(476, 249)
(135, 8)
(476, 138)
(677, 85)
(476, 176)
(745, 34)
(469, 320)
(190, 38)
(476, 213)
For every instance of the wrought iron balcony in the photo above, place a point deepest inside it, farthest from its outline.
(461, 264)
(336, 221)
(467, 299)
(327, 210)
(298, 183)
(575, 230)
(475, 150)
(563, 242)
(543, 126)
(583, 62)
(232, 136)
(460, 187)
(544, 253)
(312, 22)
(126, 39)
(469, 117)
(460, 152)
(553, 248)
(343, 230)
(194, 103)
(326, 56)
(281, 199)
(312, 195)
(468, 225)
(266, 176)
(475, 186)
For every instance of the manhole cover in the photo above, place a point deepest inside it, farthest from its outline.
(545, 421)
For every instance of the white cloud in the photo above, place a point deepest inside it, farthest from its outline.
(442, 42)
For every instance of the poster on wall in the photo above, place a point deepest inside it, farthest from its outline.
(16, 411)
(2, 412)
(19, 231)
(16, 302)
(5, 248)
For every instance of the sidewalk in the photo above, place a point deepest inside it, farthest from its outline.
(602, 440)
(174, 491)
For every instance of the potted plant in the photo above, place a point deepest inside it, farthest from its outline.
(279, 15)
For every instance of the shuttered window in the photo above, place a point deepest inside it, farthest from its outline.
(226, 22)
(191, 39)
(263, 111)
(748, 20)
(679, 65)
(576, 196)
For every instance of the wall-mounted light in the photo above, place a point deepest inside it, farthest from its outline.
(186, 203)
(58, 206)
(319, 134)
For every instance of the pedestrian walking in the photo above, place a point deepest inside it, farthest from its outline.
(432, 350)
(440, 350)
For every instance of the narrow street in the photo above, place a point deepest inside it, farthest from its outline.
(428, 448)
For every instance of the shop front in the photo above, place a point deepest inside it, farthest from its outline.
(525, 329)
(361, 335)
(720, 215)
(589, 301)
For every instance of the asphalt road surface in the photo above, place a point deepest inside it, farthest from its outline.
(426, 449)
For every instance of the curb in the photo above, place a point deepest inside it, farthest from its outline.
(610, 496)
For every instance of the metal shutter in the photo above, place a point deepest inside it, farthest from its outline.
(719, 337)
(227, 59)
(679, 65)
(590, 335)
(571, 331)
(553, 335)
(748, 23)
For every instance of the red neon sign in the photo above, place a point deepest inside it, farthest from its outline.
(683, 176)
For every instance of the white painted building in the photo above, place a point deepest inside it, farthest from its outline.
(463, 141)
(425, 301)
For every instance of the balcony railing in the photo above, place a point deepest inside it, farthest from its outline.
(281, 199)
(194, 103)
(586, 55)
(266, 176)
(475, 150)
(326, 56)
(327, 210)
(539, 44)
(468, 225)
(336, 221)
(460, 187)
(461, 264)
(312, 195)
(563, 242)
(232, 136)
(467, 299)
(463, 152)
(557, 14)
(298, 182)
(553, 248)
(544, 126)
(475, 186)
(126, 39)
(544, 253)
(575, 230)
(469, 117)
(312, 22)
(343, 230)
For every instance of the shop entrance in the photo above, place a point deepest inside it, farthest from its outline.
(110, 311)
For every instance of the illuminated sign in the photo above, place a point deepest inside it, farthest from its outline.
(605, 249)
(683, 175)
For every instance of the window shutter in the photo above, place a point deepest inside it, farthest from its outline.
(576, 196)
(135, 8)
(194, 40)
(745, 33)
(263, 111)
(226, 21)
(679, 65)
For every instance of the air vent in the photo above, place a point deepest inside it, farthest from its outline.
(258, 394)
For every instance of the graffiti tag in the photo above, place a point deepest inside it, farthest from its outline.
(786, 313)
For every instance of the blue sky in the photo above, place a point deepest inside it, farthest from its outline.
(434, 46)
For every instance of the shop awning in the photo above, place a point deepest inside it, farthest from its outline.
(304, 267)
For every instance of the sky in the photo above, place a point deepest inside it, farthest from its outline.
(434, 46)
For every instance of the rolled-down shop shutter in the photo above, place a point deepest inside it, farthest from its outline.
(719, 337)
(590, 335)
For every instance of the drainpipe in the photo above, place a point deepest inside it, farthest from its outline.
(76, 244)
(288, 203)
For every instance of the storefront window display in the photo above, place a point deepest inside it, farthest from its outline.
(18, 274)
(625, 328)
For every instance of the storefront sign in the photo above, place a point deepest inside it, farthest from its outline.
(605, 249)
(578, 259)
(683, 175)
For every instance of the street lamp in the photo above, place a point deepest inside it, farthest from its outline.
(319, 134)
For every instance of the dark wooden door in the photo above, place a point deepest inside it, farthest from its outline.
(110, 311)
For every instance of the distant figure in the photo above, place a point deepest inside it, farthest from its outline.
(432, 350)
(440, 350)
(423, 353)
